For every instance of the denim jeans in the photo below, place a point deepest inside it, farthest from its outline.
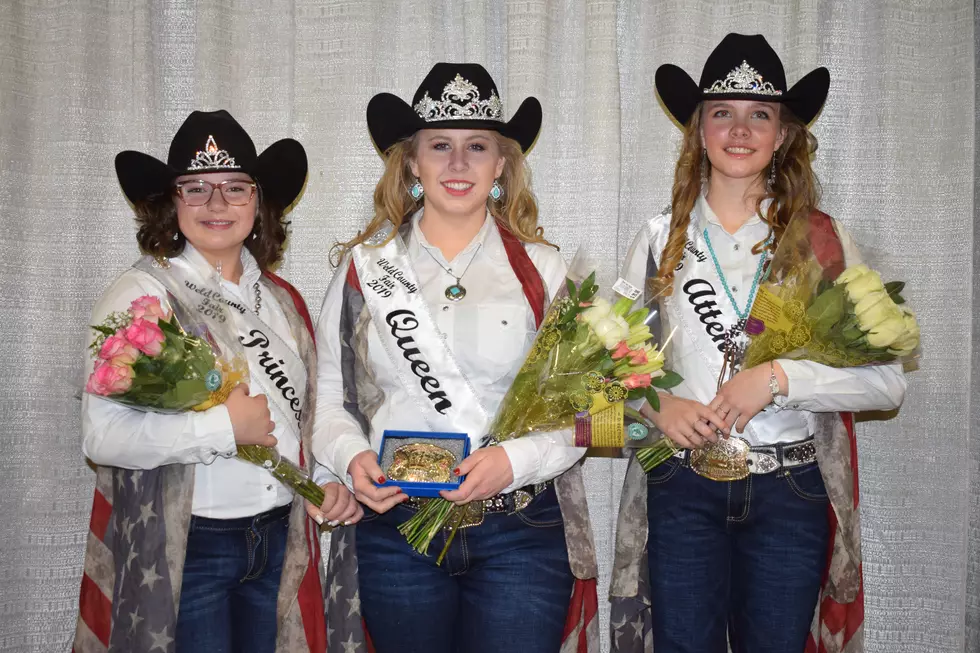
(503, 586)
(231, 584)
(737, 561)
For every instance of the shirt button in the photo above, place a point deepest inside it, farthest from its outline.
(735, 247)
(269, 488)
(504, 322)
(734, 288)
(445, 308)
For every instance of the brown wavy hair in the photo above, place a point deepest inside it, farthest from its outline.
(156, 217)
(517, 211)
(796, 190)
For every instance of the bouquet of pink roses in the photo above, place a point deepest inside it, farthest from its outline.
(144, 359)
(162, 361)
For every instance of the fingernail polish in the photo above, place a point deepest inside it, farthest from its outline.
(381, 479)
(456, 472)
(333, 523)
(319, 520)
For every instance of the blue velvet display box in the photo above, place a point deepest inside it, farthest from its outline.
(393, 448)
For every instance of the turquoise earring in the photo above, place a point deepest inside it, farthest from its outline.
(496, 192)
(416, 190)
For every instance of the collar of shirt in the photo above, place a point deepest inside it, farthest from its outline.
(250, 269)
(706, 217)
(486, 239)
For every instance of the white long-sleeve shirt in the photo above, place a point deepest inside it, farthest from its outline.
(119, 436)
(812, 387)
(488, 332)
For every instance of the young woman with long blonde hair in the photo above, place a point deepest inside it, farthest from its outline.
(423, 328)
(743, 560)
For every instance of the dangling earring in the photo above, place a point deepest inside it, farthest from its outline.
(177, 236)
(416, 190)
(496, 191)
(704, 170)
(255, 235)
(771, 182)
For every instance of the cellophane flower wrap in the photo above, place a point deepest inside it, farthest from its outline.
(163, 360)
(591, 355)
(813, 307)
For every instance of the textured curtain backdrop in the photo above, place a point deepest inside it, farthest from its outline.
(79, 81)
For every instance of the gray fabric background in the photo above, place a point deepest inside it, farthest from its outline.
(80, 81)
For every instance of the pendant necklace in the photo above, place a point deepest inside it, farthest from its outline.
(456, 291)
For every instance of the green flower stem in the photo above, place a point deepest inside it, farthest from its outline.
(650, 457)
(283, 470)
(425, 524)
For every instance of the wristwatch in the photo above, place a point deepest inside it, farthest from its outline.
(773, 381)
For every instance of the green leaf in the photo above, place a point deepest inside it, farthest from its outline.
(894, 287)
(572, 291)
(103, 329)
(637, 317)
(590, 280)
(898, 299)
(668, 380)
(852, 334)
(168, 328)
(827, 309)
(653, 399)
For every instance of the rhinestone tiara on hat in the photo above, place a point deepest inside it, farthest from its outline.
(460, 101)
(212, 157)
(743, 79)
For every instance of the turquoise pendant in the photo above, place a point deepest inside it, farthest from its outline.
(455, 292)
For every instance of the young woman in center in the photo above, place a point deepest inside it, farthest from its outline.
(423, 328)
(742, 561)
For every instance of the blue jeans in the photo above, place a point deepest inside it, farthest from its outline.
(231, 583)
(741, 561)
(503, 586)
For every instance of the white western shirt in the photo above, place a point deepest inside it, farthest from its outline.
(224, 487)
(488, 332)
(812, 387)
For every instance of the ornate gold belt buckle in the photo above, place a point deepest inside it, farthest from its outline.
(725, 460)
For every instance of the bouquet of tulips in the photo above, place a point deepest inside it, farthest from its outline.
(161, 361)
(813, 308)
(590, 356)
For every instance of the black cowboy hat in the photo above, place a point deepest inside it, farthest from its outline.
(213, 141)
(742, 68)
(452, 96)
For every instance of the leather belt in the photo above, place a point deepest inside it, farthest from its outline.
(765, 459)
(509, 503)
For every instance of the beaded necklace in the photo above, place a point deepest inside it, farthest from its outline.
(734, 340)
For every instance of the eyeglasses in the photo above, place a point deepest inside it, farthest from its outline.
(197, 192)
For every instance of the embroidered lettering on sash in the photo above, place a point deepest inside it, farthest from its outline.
(274, 370)
(698, 254)
(211, 301)
(385, 284)
(700, 294)
(401, 321)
